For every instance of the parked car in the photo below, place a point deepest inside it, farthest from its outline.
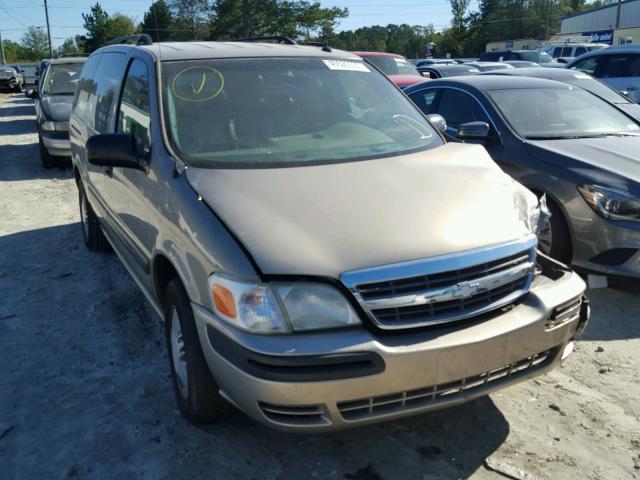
(423, 62)
(579, 79)
(521, 63)
(30, 72)
(11, 78)
(488, 66)
(396, 67)
(53, 100)
(321, 257)
(442, 71)
(566, 50)
(562, 141)
(618, 67)
(526, 55)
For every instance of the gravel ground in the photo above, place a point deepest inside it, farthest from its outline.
(85, 389)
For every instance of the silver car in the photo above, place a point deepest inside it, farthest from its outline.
(321, 257)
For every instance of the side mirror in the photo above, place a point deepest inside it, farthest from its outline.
(34, 94)
(473, 131)
(438, 121)
(114, 150)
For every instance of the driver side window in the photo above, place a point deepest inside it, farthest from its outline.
(459, 107)
(134, 112)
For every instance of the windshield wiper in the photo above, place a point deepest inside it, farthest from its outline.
(569, 137)
(56, 94)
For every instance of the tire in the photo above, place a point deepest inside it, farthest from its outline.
(195, 389)
(92, 234)
(557, 243)
(48, 160)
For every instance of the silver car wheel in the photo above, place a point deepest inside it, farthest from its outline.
(84, 216)
(545, 237)
(178, 354)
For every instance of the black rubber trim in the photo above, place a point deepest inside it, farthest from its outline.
(296, 368)
(614, 257)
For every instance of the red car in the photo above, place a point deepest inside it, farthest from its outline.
(395, 66)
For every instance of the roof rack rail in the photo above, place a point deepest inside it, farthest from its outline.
(140, 38)
(270, 38)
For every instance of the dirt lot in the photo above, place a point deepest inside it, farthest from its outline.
(85, 389)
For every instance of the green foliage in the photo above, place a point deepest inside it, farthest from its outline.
(35, 44)
(14, 52)
(68, 47)
(406, 40)
(190, 19)
(101, 27)
(158, 21)
(291, 18)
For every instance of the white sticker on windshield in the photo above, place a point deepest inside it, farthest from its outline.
(401, 61)
(346, 65)
(581, 76)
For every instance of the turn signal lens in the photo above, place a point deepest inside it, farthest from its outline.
(224, 301)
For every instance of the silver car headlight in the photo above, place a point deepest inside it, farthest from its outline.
(280, 307)
(611, 203)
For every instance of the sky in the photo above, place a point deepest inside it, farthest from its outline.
(66, 20)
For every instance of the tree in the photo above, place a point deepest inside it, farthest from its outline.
(232, 19)
(191, 19)
(68, 47)
(35, 44)
(158, 21)
(101, 28)
(14, 52)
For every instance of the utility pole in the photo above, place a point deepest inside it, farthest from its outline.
(618, 8)
(1, 50)
(46, 12)
(245, 19)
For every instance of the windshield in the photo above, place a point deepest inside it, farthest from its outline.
(62, 79)
(583, 80)
(270, 112)
(392, 65)
(549, 113)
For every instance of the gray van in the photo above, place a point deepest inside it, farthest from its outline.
(321, 257)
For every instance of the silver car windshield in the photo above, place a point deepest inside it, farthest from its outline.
(252, 113)
(548, 113)
(62, 79)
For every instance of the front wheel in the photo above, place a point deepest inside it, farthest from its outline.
(195, 389)
(92, 234)
(554, 238)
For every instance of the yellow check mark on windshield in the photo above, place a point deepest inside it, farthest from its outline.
(195, 90)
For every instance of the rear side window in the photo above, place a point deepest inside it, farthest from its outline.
(107, 78)
(566, 52)
(134, 113)
(624, 65)
(580, 51)
(84, 100)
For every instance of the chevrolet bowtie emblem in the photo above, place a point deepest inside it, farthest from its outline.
(465, 289)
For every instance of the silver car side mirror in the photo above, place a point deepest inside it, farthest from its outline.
(438, 121)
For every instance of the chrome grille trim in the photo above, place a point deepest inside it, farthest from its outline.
(467, 284)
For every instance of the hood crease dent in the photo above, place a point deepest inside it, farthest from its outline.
(324, 220)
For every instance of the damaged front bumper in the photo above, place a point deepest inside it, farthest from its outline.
(336, 379)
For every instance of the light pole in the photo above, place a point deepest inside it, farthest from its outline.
(1, 50)
(46, 12)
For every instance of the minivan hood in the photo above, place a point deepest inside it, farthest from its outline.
(327, 219)
(57, 107)
(604, 160)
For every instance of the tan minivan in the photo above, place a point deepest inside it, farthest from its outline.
(321, 257)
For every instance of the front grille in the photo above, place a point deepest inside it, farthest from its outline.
(444, 289)
(365, 408)
(295, 415)
(407, 315)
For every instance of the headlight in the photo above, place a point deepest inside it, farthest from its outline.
(280, 307)
(611, 203)
(55, 126)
